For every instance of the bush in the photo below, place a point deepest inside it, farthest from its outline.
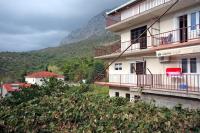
(56, 107)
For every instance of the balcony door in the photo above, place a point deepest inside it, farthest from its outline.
(135, 33)
(140, 68)
(183, 23)
(141, 71)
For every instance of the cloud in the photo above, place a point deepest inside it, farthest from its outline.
(36, 24)
(33, 41)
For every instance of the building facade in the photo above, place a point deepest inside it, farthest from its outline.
(165, 59)
(38, 78)
(7, 88)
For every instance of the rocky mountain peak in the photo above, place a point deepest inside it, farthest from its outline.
(94, 28)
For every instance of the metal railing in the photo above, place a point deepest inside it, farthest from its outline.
(180, 35)
(137, 9)
(106, 50)
(184, 82)
(177, 36)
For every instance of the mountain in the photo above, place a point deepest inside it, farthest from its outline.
(94, 28)
(79, 43)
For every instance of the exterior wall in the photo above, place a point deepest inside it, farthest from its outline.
(61, 79)
(141, 7)
(159, 100)
(170, 102)
(126, 38)
(4, 92)
(30, 80)
(168, 23)
(152, 63)
(122, 93)
(38, 81)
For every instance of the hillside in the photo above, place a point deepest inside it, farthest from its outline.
(14, 65)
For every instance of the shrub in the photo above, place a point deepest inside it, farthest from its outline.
(55, 107)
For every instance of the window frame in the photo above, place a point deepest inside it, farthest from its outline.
(116, 94)
(133, 68)
(118, 66)
(128, 96)
(195, 65)
(193, 21)
(199, 19)
(184, 68)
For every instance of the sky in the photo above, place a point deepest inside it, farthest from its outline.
(27, 25)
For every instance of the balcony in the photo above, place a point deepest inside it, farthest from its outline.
(136, 9)
(142, 11)
(181, 37)
(183, 84)
(109, 49)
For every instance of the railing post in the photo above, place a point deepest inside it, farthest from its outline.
(187, 83)
(120, 76)
(151, 80)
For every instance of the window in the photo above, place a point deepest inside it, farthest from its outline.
(117, 94)
(141, 68)
(193, 65)
(118, 66)
(184, 65)
(135, 33)
(128, 96)
(199, 19)
(132, 68)
(193, 21)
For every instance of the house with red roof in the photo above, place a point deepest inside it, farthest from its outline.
(13, 87)
(38, 77)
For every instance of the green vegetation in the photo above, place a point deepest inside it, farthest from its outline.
(78, 69)
(13, 66)
(56, 107)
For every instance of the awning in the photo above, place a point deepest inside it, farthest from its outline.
(178, 51)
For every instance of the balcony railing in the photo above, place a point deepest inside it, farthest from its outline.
(106, 50)
(135, 10)
(185, 82)
(177, 36)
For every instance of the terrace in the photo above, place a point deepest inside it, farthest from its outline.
(132, 9)
(179, 85)
(138, 11)
(181, 37)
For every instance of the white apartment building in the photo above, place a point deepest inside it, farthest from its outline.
(166, 58)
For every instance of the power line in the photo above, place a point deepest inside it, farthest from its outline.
(114, 60)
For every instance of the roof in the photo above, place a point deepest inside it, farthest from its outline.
(44, 74)
(122, 6)
(10, 86)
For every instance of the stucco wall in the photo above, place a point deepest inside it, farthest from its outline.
(145, 5)
(168, 23)
(4, 92)
(38, 81)
(170, 102)
(152, 63)
(159, 100)
(122, 93)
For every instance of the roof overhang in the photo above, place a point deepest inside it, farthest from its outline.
(128, 54)
(131, 2)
